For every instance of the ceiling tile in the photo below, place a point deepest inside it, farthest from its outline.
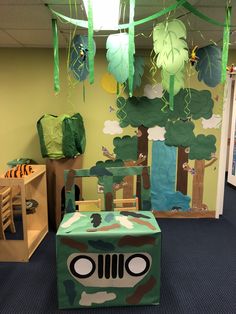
(35, 38)
(7, 41)
(24, 17)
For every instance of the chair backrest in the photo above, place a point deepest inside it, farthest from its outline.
(124, 202)
(6, 212)
(84, 205)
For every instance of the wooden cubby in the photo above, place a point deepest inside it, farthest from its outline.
(35, 225)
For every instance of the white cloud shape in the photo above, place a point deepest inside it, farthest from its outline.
(213, 123)
(153, 91)
(156, 133)
(112, 127)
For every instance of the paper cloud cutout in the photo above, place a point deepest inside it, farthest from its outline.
(213, 123)
(112, 127)
(156, 133)
(153, 91)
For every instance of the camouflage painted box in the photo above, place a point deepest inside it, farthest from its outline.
(108, 259)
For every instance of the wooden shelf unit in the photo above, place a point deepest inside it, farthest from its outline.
(35, 225)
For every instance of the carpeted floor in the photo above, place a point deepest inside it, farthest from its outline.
(198, 271)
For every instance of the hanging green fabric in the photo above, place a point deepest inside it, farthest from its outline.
(131, 46)
(56, 56)
(90, 43)
(225, 50)
(171, 92)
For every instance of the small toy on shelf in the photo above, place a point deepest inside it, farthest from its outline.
(19, 171)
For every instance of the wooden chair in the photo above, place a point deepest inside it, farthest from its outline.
(131, 201)
(6, 212)
(97, 203)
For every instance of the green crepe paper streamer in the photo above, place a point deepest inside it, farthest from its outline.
(76, 22)
(225, 44)
(193, 10)
(171, 92)
(56, 56)
(172, 7)
(131, 46)
(90, 43)
(84, 24)
(156, 15)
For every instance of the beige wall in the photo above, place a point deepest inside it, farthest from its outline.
(26, 93)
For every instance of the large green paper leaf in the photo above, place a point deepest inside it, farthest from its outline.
(118, 56)
(138, 73)
(170, 46)
(209, 65)
(178, 83)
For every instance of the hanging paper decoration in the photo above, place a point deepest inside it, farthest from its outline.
(131, 46)
(225, 44)
(78, 62)
(178, 82)
(172, 52)
(90, 43)
(208, 65)
(56, 56)
(118, 56)
(109, 83)
(138, 73)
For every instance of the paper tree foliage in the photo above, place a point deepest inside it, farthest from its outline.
(172, 52)
(118, 56)
(209, 65)
(78, 62)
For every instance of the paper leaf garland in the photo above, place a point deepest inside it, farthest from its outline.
(78, 62)
(118, 56)
(209, 65)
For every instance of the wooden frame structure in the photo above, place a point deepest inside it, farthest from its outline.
(108, 174)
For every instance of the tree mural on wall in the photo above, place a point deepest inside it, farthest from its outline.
(141, 113)
(200, 105)
(203, 148)
(144, 113)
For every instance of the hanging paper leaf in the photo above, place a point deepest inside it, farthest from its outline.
(170, 46)
(118, 56)
(209, 65)
(78, 62)
(172, 52)
(138, 73)
(178, 84)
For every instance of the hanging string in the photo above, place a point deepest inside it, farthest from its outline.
(225, 50)
(56, 56)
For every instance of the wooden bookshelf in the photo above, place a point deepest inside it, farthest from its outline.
(35, 225)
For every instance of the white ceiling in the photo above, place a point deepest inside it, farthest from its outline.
(27, 23)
